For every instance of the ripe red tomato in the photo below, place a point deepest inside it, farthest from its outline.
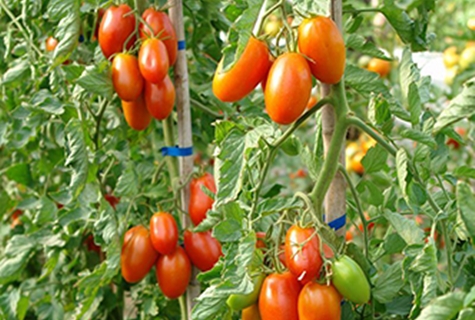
(113, 201)
(51, 44)
(204, 250)
(370, 225)
(200, 203)
(161, 27)
(251, 313)
(245, 75)
(91, 245)
(116, 26)
(321, 41)
(153, 60)
(319, 302)
(288, 88)
(100, 14)
(454, 143)
(302, 253)
(16, 218)
(126, 77)
(160, 98)
(173, 273)
(138, 255)
(163, 232)
(136, 114)
(260, 244)
(348, 236)
(264, 80)
(279, 297)
(381, 67)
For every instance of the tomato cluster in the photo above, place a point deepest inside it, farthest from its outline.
(142, 249)
(142, 83)
(355, 152)
(287, 81)
(301, 292)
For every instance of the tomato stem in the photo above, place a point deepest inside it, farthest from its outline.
(103, 106)
(183, 311)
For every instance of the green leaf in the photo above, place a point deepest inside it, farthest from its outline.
(401, 168)
(418, 136)
(406, 228)
(128, 184)
(229, 229)
(59, 8)
(68, 34)
(77, 156)
(365, 82)
(279, 204)
(459, 108)
(388, 284)
(96, 79)
(20, 173)
(375, 159)
(466, 206)
(443, 307)
(360, 44)
(43, 100)
(466, 314)
(17, 73)
(12, 267)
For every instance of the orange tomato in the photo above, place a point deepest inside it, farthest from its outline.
(355, 163)
(319, 302)
(160, 98)
(136, 114)
(311, 102)
(245, 75)
(288, 88)
(173, 273)
(153, 60)
(126, 77)
(322, 42)
(348, 236)
(379, 66)
(51, 44)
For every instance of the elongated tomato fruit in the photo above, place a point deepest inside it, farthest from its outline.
(164, 232)
(278, 298)
(319, 302)
(162, 28)
(117, 25)
(200, 203)
(136, 114)
(126, 77)
(153, 60)
(321, 41)
(160, 98)
(173, 273)
(288, 88)
(245, 75)
(204, 250)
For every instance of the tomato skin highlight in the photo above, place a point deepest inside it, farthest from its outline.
(163, 232)
(304, 261)
(200, 203)
(279, 297)
(138, 255)
(321, 41)
(245, 75)
(115, 29)
(136, 114)
(288, 88)
(51, 44)
(319, 302)
(241, 301)
(204, 250)
(350, 280)
(126, 77)
(153, 60)
(162, 27)
(173, 273)
(160, 98)
(251, 313)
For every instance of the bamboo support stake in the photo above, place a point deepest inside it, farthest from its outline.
(184, 131)
(335, 199)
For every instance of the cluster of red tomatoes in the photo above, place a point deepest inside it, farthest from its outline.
(142, 83)
(299, 293)
(142, 249)
(287, 80)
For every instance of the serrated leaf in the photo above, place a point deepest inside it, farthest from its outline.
(418, 136)
(77, 156)
(406, 228)
(43, 100)
(401, 168)
(466, 314)
(280, 204)
(466, 206)
(127, 184)
(11, 268)
(388, 284)
(20, 173)
(96, 79)
(360, 44)
(375, 159)
(59, 8)
(19, 71)
(443, 307)
(68, 34)
(459, 108)
(365, 82)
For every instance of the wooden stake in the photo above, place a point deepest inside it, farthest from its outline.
(335, 199)
(184, 130)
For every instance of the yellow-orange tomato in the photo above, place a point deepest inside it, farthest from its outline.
(471, 24)
(51, 44)
(245, 75)
(126, 77)
(160, 98)
(450, 57)
(288, 88)
(136, 114)
(322, 42)
(251, 313)
(381, 67)
(355, 163)
(311, 102)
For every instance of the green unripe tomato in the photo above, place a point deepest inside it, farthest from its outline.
(350, 280)
(241, 301)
